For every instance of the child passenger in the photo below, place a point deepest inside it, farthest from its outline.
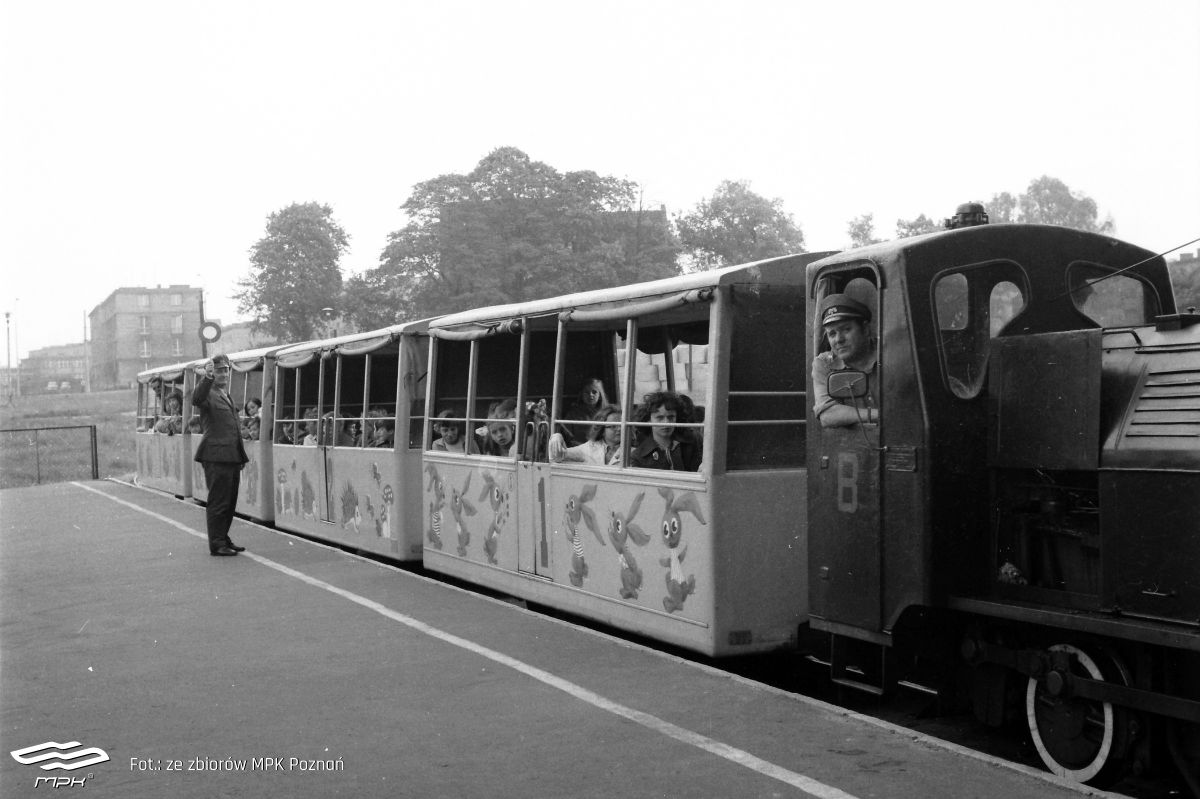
(452, 438)
(172, 422)
(253, 420)
(502, 429)
(383, 434)
(592, 398)
(667, 447)
(311, 428)
(603, 447)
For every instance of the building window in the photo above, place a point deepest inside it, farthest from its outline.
(143, 300)
(145, 353)
(177, 325)
(177, 299)
(144, 322)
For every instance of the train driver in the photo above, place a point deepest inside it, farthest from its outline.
(847, 326)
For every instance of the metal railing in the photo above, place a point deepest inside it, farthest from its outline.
(36, 455)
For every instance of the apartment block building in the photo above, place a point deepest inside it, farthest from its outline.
(135, 329)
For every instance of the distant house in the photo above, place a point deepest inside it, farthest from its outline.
(53, 370)
(135, 329)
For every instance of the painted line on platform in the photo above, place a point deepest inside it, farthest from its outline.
(734, 755)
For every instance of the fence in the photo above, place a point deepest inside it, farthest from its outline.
(36, 455)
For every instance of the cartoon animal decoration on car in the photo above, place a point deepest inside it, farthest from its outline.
(621, 530)
(383, 525)
(497, 497)
(283, 492)
(577, 509)
(250, 495)
(459, 505)
(351, 515)
(679, 587)
(308, 497)
(438, 487)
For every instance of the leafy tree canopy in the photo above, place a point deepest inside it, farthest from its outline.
(1049, 201)
(294, 271)
(915, 227)
(514, 229)
(862, 231)
(735, 226)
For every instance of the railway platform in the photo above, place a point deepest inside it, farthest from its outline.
(299, 670)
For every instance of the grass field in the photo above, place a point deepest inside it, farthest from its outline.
(66, 455)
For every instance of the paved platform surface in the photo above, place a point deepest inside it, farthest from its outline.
(297, 670)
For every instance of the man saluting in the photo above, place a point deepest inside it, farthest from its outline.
(220, 452)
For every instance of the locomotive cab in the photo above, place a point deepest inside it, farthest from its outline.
(1031, 493)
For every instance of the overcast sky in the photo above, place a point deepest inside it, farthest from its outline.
(146, 143)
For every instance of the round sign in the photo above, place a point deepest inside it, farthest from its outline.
(210, 332)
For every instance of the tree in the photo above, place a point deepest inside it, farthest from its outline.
(1002, 208)
(1185, 275)
(294, 271)
(862, 231)
(1049, 201)
(915, 227)
(736, 225)
(514, 229)
(376, 299)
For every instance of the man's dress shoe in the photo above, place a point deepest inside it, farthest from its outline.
(223, 551)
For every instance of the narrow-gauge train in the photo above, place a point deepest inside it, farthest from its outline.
(1018, 515)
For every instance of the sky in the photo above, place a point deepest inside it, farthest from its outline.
(146, 143)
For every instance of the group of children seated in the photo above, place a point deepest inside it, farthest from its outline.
(589, 432)
(659, 440)
(376, 429)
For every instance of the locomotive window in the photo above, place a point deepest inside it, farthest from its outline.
(1115, 301)
(1005, 303)
(972, 305)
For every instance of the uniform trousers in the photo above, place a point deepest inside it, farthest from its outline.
(223, 480)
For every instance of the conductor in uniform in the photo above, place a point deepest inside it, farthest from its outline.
(220, 453)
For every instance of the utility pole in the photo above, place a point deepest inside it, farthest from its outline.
(203, 340)
(8, 345)
(87, 357)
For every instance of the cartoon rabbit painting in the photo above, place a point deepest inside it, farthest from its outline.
(438, 487)
(459, 505)
(577, 509)
(351, 515)
(678, 586)
(497, 497)
(620, 530)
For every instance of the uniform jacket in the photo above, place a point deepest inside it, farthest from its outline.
(222, 440)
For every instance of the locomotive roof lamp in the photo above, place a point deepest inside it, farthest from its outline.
(967, 215)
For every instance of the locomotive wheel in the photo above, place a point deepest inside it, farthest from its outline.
(1081, 739)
